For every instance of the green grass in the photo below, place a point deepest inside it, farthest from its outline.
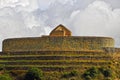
(54, 60)
(58, 53)
(57, 63)
(55, 55)
(52, 66)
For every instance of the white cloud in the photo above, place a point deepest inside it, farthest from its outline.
(4, 3)
(98, 19)
(20, 22)
(92, 20)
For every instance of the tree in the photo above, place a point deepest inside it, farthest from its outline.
(5, 77)
(34, 74)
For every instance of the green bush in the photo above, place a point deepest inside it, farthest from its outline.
(5, 77)
(88, 77)
(107, 72)
(70, 74)
(34, 74)
(91, 73)
(2, 67)
(95, 73)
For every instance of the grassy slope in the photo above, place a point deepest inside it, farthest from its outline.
(55, 63)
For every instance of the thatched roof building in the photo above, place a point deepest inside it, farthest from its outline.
(60, 30)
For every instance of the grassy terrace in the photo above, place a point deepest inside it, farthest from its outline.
(90, 55)
(52, 67)
(48, 68)
(56, 63)
(63, 66)
(56, 53)
(54, 60)
(57, 58)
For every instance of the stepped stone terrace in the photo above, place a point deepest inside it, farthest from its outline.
(59, 51)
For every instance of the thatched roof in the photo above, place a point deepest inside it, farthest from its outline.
(60, 28)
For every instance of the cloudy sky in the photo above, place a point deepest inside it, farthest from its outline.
(33, 18)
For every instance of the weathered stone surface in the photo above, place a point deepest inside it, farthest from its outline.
(61, 43)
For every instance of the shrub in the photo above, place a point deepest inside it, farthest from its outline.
(73, 73)
(88, 77)
(91, 73)
(95, 73)
(34, 74)
(70, 74)
(2, 67)
(5, 77)
(107, 72)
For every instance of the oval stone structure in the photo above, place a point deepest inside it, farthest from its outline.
(60, 52)
(57, 43)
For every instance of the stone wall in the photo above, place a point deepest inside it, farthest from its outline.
(48, 43)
